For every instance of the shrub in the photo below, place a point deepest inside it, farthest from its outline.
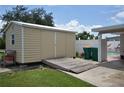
(82, 55)
(2, 43)
(77, 54)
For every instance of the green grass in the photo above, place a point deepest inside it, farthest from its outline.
(40, 78)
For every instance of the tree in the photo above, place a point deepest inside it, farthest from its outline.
(21, 13)
(96, 37)
(39, 16)
(85, 36)
(16, 14)
(91, 36)
(2, 43)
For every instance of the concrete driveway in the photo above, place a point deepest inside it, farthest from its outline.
(108, 74)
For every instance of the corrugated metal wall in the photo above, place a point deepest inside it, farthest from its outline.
(41, 44)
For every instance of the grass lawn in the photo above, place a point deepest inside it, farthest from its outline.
(40, 78)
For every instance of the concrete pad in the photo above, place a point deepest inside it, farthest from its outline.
(103, 76)
(107, 74)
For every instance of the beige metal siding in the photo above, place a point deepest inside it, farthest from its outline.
(65, 44)
(32, 45)
(40, 44)
(47, 44)
(60, 44)
(16, 30)
(70, 45)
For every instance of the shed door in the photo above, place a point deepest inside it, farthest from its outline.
(70, 44)
(47, 45)
(60, 44)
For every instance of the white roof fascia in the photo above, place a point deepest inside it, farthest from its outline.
(103, 29)
(39, 26)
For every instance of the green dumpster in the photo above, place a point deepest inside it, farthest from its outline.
(87, 53)
(94, 54)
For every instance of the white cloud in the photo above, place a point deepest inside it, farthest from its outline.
(120, 14)
(1, 23)
(74, 25)
(118, 17)
(116, 20)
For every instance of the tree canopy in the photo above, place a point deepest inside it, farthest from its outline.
(23, 14)
(85, 36)
(2, 43)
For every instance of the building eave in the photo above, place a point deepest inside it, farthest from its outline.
(38, 27)
(110, 29)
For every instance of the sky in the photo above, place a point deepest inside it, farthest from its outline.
(80, 18)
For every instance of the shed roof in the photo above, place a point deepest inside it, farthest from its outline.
(38, 26)
(110, 29)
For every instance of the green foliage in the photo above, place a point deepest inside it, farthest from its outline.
(2, 43)
(1, 54)
(85, 36)
(23, 14)
(96, 37)
(77, 54)
(82, 55)
(17, 14)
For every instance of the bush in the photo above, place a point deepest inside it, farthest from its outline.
(2, 43)
(82, 55)
(77, 54)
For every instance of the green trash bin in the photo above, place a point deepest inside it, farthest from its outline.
(94, 54)
(87, 53)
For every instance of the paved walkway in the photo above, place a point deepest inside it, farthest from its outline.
(110, 74)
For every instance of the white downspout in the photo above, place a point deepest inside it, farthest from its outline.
(22, 39)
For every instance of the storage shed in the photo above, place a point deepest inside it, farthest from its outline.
(34, 42)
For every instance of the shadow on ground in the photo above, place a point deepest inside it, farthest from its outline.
(115, 64)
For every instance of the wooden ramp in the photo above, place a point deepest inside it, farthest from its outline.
(70, 64)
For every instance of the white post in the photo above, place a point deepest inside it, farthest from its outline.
(99, 48)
